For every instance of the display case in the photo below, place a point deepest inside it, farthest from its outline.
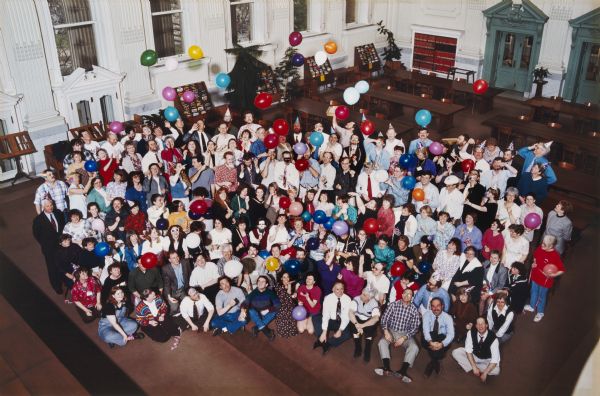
(366, 58)
(201, 104)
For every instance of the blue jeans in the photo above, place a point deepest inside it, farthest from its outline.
(111, 336)
(261, 321)
(229, 321)
(333, 325)
(538, 297)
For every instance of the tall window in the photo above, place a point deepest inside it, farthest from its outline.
(74, 34)
(108, 114)
(351, 11)
(241, 21)
(166, 26)
(593, 68)
(300, 15)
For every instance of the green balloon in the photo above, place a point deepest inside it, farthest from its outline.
(148, 58)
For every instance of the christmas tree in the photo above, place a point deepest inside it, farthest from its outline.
(287, 75)
(244, 76)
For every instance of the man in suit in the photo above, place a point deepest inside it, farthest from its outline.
(47, 227)
(495, 278)
(176, 279)
(248, 172)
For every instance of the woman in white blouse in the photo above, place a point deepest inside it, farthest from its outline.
(509, 211)
(219, 236)
(448, 261)
(451, 199)
(154, 242)
(278, 233)
(516, 246)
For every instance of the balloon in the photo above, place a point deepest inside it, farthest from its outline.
(319, 217)
(281, 127)
(149, 260)
(467, 165)
(171, 114)
(297, 60)
(148, 58)
(423, 117)
(418, 194)
(550, 269)
(272, 264)
(264, 254)
(408, 182)
(102, 249)
(306, 216)
(188, 96)
(371, 226)
(302, 164)
(480, 86)
(362, 86)
(398, 268)
(194, 215)
(162, 224)
(312, 244)
(342, 112)
(284, 202)
(295, 208)
(199, 206)
(340, 228)
(195, 52)
(263, 100)
(300, 148)
(90, 166)
(329, 223)
(320, 58)
(98, 225)
(233, 269)
(351, 96)
(193, 240)
(424, 267)
(223, 80)
(169, 93)
(436, 148)
(367, 127)
(316, 139)
(171, 64)
(299, 313)
(271, 141)
(330, 47)
(532, 221)
(116, 126)
(292, 267)
(295, 38)
(407, 161)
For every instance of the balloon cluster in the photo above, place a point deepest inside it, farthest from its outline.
(352, 94)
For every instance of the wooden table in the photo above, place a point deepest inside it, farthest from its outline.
(577, 110)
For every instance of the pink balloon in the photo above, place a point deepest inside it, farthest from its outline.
(436, 148)
(295, 38)
(532, 221)
(169, 93)
(116, 126)
(189, 96)
(295, 209)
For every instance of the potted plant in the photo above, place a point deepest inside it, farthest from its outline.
(391, 53)
(540, 74)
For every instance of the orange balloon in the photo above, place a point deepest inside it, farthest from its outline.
(418, 194)
(331, 47)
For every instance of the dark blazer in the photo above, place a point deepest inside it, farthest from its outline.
(170, 280)
(360, 157)
(474, 277)
(291, 138)
(45, 233)
(500, 277)
(249, 175)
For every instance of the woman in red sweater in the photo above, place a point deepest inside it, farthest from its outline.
(492, 239)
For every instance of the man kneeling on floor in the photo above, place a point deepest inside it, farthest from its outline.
(262, 305)
(481, 352)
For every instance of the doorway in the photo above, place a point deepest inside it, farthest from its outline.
(94, 109)
(514, 61)
(588, 77)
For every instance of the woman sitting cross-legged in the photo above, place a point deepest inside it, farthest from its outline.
(115, 327)
(86, 295)
(151, 314)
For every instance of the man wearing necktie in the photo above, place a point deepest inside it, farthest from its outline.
(481, 353)
(438, 332)
(47, 227)
(334, 317)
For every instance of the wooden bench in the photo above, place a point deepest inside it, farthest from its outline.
(96, 131)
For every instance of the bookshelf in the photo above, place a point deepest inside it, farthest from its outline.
(434, 53)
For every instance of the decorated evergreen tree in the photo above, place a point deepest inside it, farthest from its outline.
(287, 75)
(244, 76)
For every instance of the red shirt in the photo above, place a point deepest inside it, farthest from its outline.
(136, 223)
(107, 175)
(386, 220)
(225, 174)
(314, 294)
(492, 242)
(542, 259)
(85, 293)
(414, 286)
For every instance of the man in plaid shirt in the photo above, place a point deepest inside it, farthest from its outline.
(53, 189)
(400, 323)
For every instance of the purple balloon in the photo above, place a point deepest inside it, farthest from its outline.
(436, 148)
(188, 96)
(299, 313)
(116, 126)
(532, 221)
(340, 228)
(297, 60)
(300, 148)
(295, 38)
(169, 93)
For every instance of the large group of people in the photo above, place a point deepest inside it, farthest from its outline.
(178, 228)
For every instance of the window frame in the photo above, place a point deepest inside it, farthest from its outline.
(254, 36)
(363, 8)
(183, 22)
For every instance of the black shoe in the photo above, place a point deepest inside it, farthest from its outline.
(326, 347)
(138, 336)
(270, 334)
(357, 347)
(254, 331)
(111, 345)
(317, 344)
(429, 369)
(217, 331)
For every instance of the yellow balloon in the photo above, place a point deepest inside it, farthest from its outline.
(195, 52)
(272, 264)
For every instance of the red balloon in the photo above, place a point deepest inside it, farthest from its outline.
(149, 260)
(480, 86)
(342, 112)
(467, 165)
(302, 164)
(281, 127)
(284, 202)
(367, 127)
(371, 226)
(263, 100)
(550, 269)
(199, 206)
(271, 141)
(398, 268)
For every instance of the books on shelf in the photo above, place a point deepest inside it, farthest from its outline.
(434, 53)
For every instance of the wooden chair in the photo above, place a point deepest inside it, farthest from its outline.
(96, 131)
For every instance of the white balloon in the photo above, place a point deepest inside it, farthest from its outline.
(193, 240)
(351, 96)
(320, 57)
(171, 64)
(381, 176)
(233, 268)
(362, 86)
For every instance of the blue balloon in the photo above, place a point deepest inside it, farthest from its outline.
(424, 267)
(171, 114)
(423, 117)
(316, 139)
(408, 182)
(407, 161)
(329, 223)
(297, 60)
(292, 267)
(162, 224)
(90, 166)
(223, 80)
(306, 216)
(102, 249)
(319, 217)
(193, 215)
(264, 254)
(312, 244)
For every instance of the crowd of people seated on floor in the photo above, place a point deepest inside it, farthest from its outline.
(339, 235)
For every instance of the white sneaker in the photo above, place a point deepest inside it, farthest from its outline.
(528, 308)
(538, 317)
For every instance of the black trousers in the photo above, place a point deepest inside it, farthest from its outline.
(440, 353)
(184, 325)
(53, 274)
(88, 319)
(368, 332)
(163, 331)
